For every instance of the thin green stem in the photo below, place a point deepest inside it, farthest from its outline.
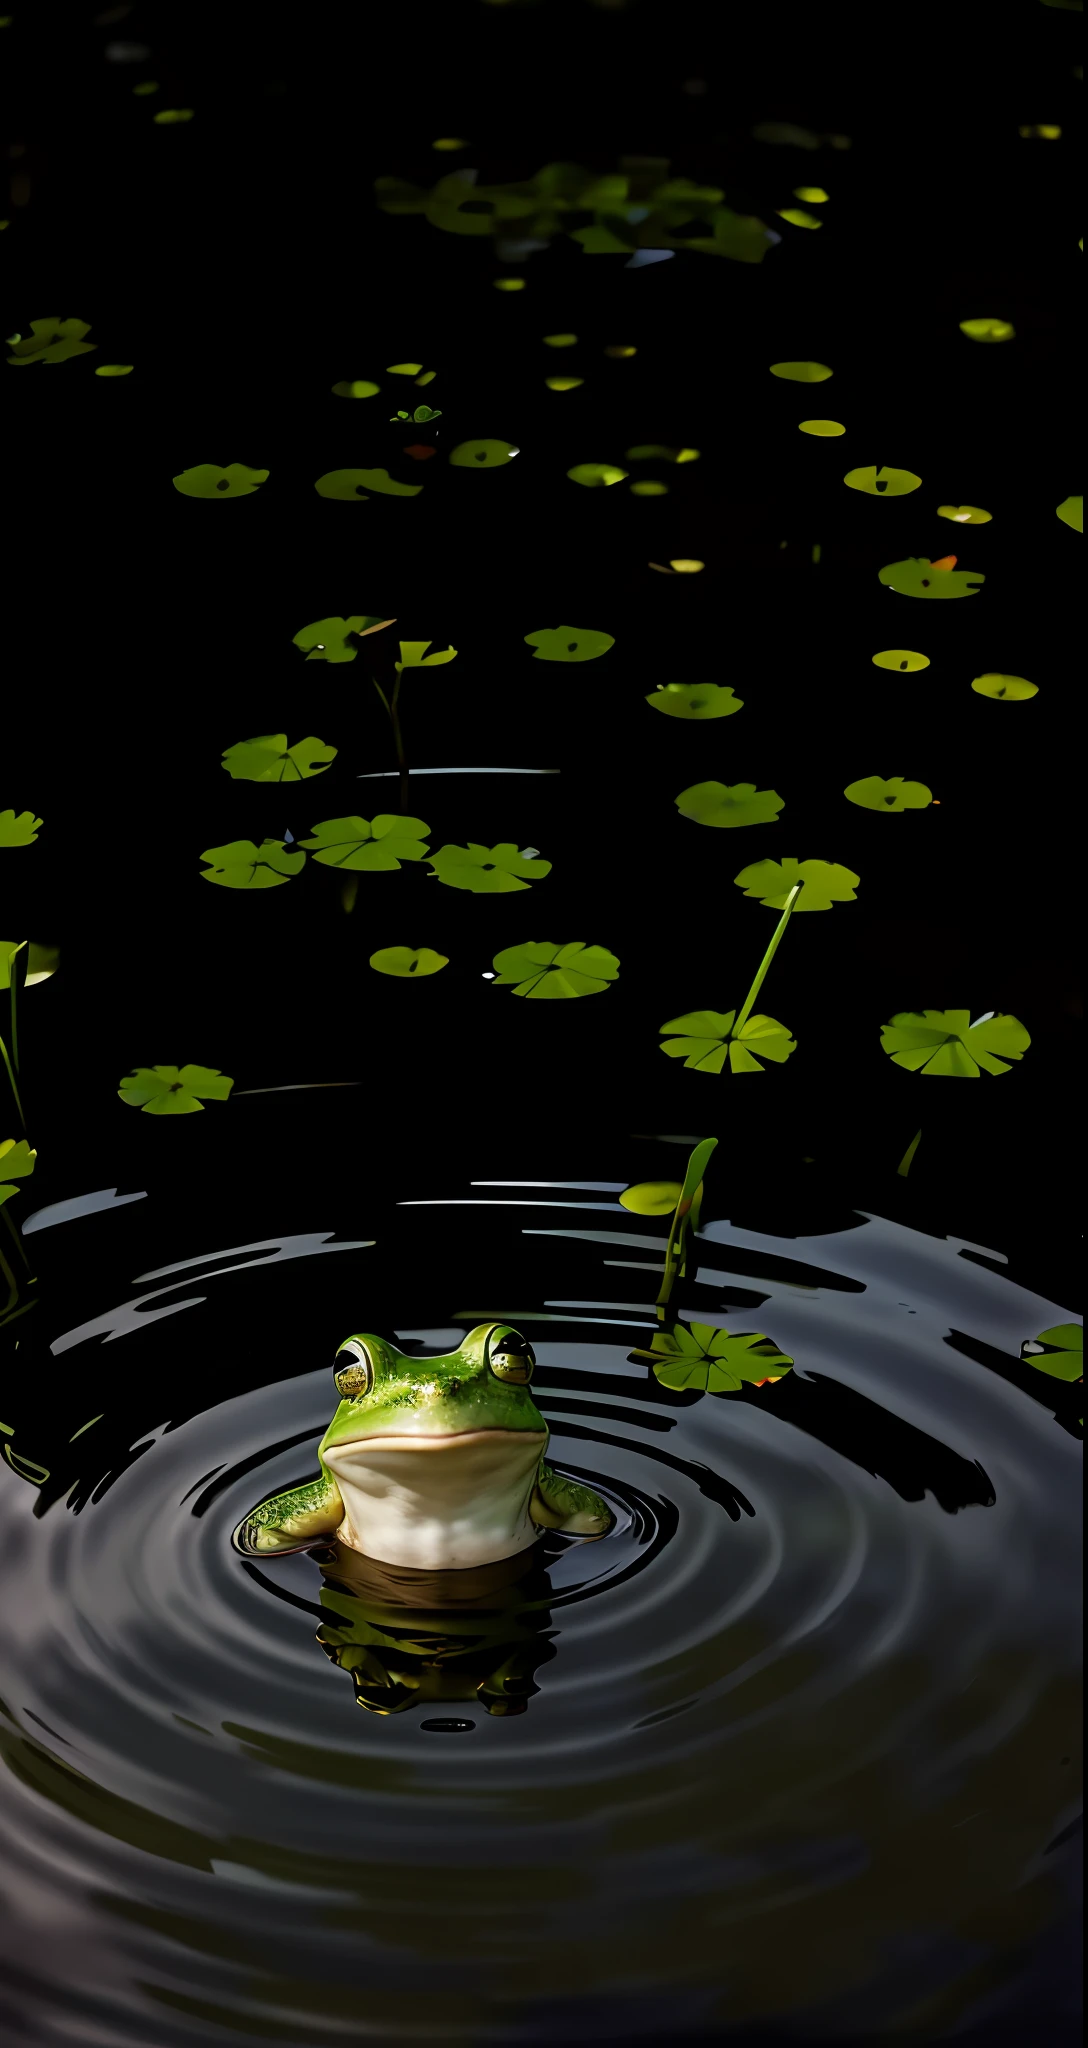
(14, 1084)
(393, 716)
(16, 1239)
(904, 1165)
(768, 956)
(14, 974)
(684, 1217)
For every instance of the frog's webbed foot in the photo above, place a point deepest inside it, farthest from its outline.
(564, 1504)
(292, 1520)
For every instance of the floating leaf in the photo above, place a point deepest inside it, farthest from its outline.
(695, 700)
(331, 639)
(243, 865)
(356, 387)
(1058, 1351)
(685, 565)
(882, 483)
(482, 454)
(508, 284)
(16, 1158)
(946, 1042)
(822, 883)
(413, 654)
(711, 1360)
(559, 340)
(358, 483)
(965, 515)
(1071, 513)
(813, 194)
(802, 373)
(563, 383)
(174, 1091)
(918, 578)
(114, 370)
(1012, 689)
(902, 658)
(271, 759)
(50, 341)
(21, 830)
(798, 218)
(988, 330)
(714, 803)
(487, 869)
(541, 969)
(648, 451)
(596, 474)
(873, 793)
(354, 843)
(419, 417)
(170, 116)
(707, 1039)
(208, 480)
(825, 430)
(652, 1197)
(406, 963)
(648, 488)
(568, 643)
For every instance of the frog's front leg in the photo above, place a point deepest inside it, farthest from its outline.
(291, 1520)
(559, 1503)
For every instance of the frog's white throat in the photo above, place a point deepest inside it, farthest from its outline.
(438, 1503)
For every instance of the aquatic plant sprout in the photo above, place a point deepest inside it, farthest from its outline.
(270, 759)
(174, 1091)
(946, 1042)
(657, 1198)
(709, 1037)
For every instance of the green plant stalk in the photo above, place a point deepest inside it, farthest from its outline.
(13, 1082)
(16, 1239)
(904, 1165)
(685, 1216)
(398, 737)
(768, 956)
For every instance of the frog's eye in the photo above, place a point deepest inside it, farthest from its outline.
(510, 1356)
(353, 1371)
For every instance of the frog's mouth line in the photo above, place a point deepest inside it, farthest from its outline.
(465, 1437)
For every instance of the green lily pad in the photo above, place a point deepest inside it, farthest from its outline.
(354, 843)
(174, 1091)
(243, 865)
(1007, 689)
(487, 454)
(711, 1360)
(798, 218)
(1058, 1351)
(918, 578)
(946, 1042)
(332, 639)
(407, 963)
(487, 869)
(271, 759)
(17, 1158)
(18, 829)
(358, 483)
(596, 475)
(822, 430)
(1071, 513)
(541, 969)
(695, 700)
(568, 643)
(873, 793)
(714, 803)
(988, 330)
(207, 480)
(50, 341)
(802, 373)
(41, 961)
(413, 654)
(904, 659)
(356, 387)
(114, 369)
(883, 483)
(965, 515)
(648, 451)
(822, 883)
(417, 418)
(707, 1039)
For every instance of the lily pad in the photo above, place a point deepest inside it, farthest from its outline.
(824, 430)
(358, 483)
(1007, 689)
(988, 330)
(50, 341)
(918, 578)
(564, 383)
(174, 1091)
(354, 843)
(695, 700)
(965, 515)
(1071, 513)
(18, 829)
(243, 865)
(487, 869)
(596, 475)
(707, 1038)
(1058, 1351)
(541, 969)
(873, 793)
(798, 218)
(883, 483)
(333, 639)
(17, 1158)
(715, 1362)
(802, 373)
(822, 883)
(946, 1042)
(413, 654)
(356, 387)
(207, 480)
(648, 451)
(487, 454)
(408, 963)
(904, 659)
(418, 418)
(271, 759)
(716, 803)
(568, 643)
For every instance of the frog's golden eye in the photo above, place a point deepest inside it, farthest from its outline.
(510, 1356)
(353, 1371)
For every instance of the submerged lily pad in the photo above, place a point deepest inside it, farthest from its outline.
(208, 480)
(648, 451)
(1058, 1351)
(50, 341)
(905, 659)
(1009, 689)
(715, 803)
(358, 483)
(356, 387)
(700, 1356)
(882, 483)
(695, 700)
(540, 969)
(367, 846)
(916, 577)
(568, 643)
(802, 373)
(271, 759)
(243, 865)
(332, 639)
(487, 869)
(707, 1039)
(822, 883)
(487, 454)
(596, 474)
(18, 829)
(873, 793)
(1071, 513)
(408, 963)
(174, 1091)
(946, 1042)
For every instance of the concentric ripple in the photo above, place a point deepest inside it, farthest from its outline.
(793, 1746)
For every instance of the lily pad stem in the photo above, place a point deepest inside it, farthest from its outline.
(398, 737)
(685, 1217)
(12, 1080)
(745, 1012)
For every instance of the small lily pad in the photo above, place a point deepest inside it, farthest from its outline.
(596, 475)
(271, 759)
(174, 1091)
(883, 483)
(360, 845)
(946, 1042)
(407, 963)
(648, 451)
(333, 639)
(715, 803)
(171, 116)
(1009, 689)
(917, 577)
(50, 341)
(823, 883)
(487, 454)
(707, 1039)
(802, 373)
(114, 370)
(1058, 1351)
(965, 515)
(487, 869)
(413, 654)
(904, 659)
(358, 483)
(208, 480)
(1071, 513)
(243, 865)
(18, 829)
(873, 793)
(418, 418)
(824, 430)
(356, 387)
(568, 643)
(988, 330)
(564, 383)
(559, 340)
(540, 969)
(695, 700)
(798, 218)
(711, 1360)
(649, 488)
(17, 1158)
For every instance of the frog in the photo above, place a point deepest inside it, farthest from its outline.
(435, 1463)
